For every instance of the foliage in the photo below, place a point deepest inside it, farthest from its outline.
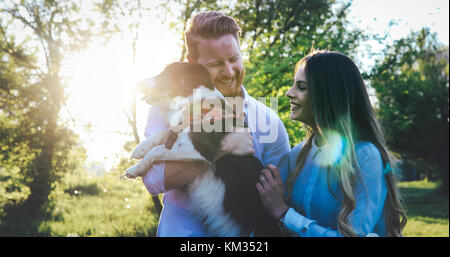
(411, 84)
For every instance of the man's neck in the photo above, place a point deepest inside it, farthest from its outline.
(240, 93)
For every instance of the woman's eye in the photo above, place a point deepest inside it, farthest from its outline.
(301, 85)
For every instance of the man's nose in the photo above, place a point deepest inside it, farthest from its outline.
(228, 70)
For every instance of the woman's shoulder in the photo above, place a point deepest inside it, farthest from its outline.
(369, 155)
(366, 149)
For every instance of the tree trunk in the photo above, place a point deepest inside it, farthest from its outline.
(133, 123)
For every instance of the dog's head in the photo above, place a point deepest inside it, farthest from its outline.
(177, 79)
(179, 88)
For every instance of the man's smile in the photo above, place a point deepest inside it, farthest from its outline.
(225, 82)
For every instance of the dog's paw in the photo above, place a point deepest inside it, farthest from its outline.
(139, 153)
(131, 173)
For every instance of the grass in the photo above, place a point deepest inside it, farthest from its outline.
(100, 206)
(427, 211)
(110, 206)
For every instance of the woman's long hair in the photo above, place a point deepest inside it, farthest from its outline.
(343, 114)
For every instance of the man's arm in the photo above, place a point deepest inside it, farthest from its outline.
(164, 176)
(178, 174)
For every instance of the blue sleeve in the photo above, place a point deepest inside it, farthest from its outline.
(154, 178)
(370, 195)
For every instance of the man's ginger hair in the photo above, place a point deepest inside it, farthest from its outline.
(209, 25)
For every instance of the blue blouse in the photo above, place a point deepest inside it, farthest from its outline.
(314, 209)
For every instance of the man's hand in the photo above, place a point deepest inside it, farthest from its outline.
(236, 143)
(181, 173)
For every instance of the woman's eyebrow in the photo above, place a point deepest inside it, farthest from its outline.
(300, 82)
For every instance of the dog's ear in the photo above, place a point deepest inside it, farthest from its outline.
(198, 75)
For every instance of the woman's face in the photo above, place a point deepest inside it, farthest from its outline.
(298, 95)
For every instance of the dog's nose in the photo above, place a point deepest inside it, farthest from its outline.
(145, 86)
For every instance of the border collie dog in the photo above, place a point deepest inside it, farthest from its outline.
(224, 196)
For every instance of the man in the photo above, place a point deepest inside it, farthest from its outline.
(212, 39)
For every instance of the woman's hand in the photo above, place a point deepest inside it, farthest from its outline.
(237, 143)
(271, 191)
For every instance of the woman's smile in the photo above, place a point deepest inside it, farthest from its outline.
(295, 107)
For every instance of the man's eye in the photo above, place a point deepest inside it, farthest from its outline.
(214, 64)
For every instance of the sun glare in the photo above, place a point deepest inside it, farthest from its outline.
(100, 86)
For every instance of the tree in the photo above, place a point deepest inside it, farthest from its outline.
(52, 29)
(411, 84)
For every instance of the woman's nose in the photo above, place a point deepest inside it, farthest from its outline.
(289, 93)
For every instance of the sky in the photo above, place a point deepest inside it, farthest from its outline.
(101, 79)
(375, 17)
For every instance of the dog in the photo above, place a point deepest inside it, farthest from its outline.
(224, 196)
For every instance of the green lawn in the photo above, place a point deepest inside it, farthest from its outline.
(110, 206)
(427, 211)
(101, 206)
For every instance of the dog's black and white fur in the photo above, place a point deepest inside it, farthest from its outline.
(224, 196)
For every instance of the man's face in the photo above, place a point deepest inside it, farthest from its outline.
(222, 58)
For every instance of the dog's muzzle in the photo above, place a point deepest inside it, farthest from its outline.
(145, 86)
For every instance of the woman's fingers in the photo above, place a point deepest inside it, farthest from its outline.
(268, 175)
(260, 189)
(264, 182)
(276, 173)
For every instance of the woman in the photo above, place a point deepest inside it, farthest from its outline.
(340, 181)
